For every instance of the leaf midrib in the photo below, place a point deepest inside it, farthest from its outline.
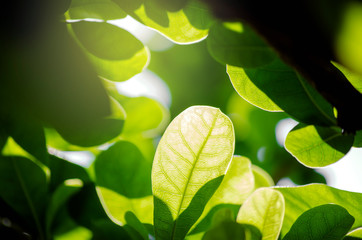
(191, 172)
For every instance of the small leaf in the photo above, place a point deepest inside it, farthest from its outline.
(95, 9)
(237, 44)
(23, 185)
(262, 178)
(300, 199)
(276, 87)
(190, 162)
(187, 25)
(264, 209)
(317, 146)
(115, 53)
(325, 222)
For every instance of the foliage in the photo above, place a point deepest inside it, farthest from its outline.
(211, 173)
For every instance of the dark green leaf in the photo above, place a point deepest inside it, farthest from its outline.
(23, 185)
(237, 44)
(115, 53)
(190, 162)
(316, 146)
(276, 87)
(300, 199)
(325, 222)
(96, 9)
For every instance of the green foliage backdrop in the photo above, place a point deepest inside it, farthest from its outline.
(204, 167)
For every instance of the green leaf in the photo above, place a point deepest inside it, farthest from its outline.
(234, 189)
(123, 169)
(264, 209)
(23, 185)
(276, 87)
(358, 139)
(144, 115)
(325, 222)
(316, 146)
(237, 44)
(96, 9)
(355, 234)
(123, 179)
(300, 199)
(97, 132)
(224, 227)
(261, 177)
(187, 25)
(190, 162)
(59, 199)
(115, 53)
(62, 170)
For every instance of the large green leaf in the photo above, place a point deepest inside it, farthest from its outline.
(264, 209)
(234, 189)
(237, 44)
(123, 179)
(96, 9)
(190, 162)
(325, 222)
(187, 25)
(316, 146)
(115, 53)
(23, 186)
(300, 199)
(276, 87)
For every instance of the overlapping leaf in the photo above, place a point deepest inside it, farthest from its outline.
(317, 146)
(325, 222)
(276, 87)
(300, 199)
(264, 209)
(237, 44)
(115, 53)
(190, 162)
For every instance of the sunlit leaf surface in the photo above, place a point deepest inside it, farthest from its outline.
(301, 199)
(325, 222)
(264, 209)
(317, 146)
(276, 87)
(190, 162)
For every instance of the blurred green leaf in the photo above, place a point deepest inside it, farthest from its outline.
(261, 177)
(187, 25)
(97, 132)
(190, 162)
(225, 227)
(62, 170)
(264, 209)
(325, 222)
(237, 44)
(123, 179)
(96, 9)
(276, 87)
(171, 6)
(358, 139)
(58, 200)
(123, 169)
(115, 53)
(23, 185)
(316, 146)
(236, 186)
(300, 199)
